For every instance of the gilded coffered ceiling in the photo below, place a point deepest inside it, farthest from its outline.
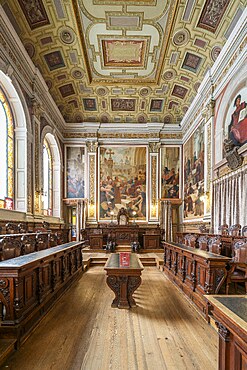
(123, 61)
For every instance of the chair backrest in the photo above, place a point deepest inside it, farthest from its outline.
(234, 230)
(223, 229)
(28, 244)
(10, 248)
(203, 243)
(202, 229)
(11, 228)
(214, 245)
(244, 230)
(52, 240)
(122, 217)
(22, 228)
(190, 240)
(41, 241)
(240, 252)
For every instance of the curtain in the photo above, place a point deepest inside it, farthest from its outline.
(166, 220)
(229, 199)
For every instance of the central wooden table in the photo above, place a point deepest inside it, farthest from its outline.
(123, 280)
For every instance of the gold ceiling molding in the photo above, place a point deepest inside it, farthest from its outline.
(182, 42)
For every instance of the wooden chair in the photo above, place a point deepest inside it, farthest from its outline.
(214, 245)
(238, 267)
(9, 248)
(203, 243)
(202, 229)
(223, 229)
(123, 217)
(41, 241)
(52, 240)
(244, 231)
(22, 228)
(190, 240)
(234, 230)
(27, 244)
(11, 228)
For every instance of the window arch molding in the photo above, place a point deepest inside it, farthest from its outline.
(18, 106)
(56, 158)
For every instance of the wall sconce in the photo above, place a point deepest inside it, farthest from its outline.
(112, 216)
(134, 215)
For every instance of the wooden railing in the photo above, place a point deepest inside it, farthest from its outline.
(196, 272)
(30, 285)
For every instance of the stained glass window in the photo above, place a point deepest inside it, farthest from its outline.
(47, 179)
(6, 153)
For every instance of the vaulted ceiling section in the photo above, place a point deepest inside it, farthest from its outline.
(123, 61)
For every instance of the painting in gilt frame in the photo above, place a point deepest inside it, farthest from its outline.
(236, 119)
(122, 181)
(75, 172)
(194, 175)
(170, 172)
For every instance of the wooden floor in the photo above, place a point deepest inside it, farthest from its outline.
(83, 332)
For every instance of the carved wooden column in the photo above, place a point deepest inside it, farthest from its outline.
(153, 215)
(92, 186)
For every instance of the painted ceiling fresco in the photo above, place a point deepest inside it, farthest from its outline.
(123, 61)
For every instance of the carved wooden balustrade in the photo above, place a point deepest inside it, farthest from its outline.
(29, 286)
(195, 271)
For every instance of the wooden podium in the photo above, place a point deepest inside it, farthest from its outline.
(123, 278)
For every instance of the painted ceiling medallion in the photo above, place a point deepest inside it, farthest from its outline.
(77, 74)
(124, 53)
(212, 14)
(145, 91)
(67, 35)
(142, 118)
(101, 91)
(215, 52)
(168, 118)
(49, 84)
(30, 49)
(196, 86)
(181, 37)
(169, 75)
(35, 13)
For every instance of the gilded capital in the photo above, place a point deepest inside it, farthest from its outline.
(154, 147)
(92, 146)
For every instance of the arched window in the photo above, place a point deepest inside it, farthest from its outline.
(6, 154)
(47, 179)
(51, 183)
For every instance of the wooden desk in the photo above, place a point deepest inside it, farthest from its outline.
(30, 285)
(123, 280)
(196, 272)
(230, 313)
(151, 241)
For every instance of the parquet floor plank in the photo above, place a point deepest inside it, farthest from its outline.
(83, 332)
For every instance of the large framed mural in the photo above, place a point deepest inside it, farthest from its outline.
(170, 172)
(194, 175)
(236, 119)
(75, 172)
(122, 181)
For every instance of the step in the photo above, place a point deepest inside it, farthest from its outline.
(7, 346)
(99, 261)
(123, 248)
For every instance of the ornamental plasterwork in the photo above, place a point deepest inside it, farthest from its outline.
(154, 147)
(92, 146)
(169, 46)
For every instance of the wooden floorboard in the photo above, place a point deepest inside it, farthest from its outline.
(82, 331)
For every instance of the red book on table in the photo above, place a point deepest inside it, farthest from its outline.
(124, 259)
